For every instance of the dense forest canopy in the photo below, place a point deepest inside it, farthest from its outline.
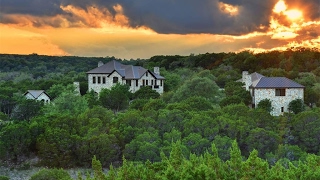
(202, 107)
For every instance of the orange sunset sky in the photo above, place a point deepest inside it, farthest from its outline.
(144, 28)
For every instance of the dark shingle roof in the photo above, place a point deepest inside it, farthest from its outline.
(277, 82)
(126, 71)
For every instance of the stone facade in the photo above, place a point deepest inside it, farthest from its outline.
(279, 90)
(279, 103)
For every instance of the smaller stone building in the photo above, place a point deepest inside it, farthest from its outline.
(279, 90)
(107, 75)
(39, 95)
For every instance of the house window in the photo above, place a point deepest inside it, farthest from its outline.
(161, 82)
(143, 82)
(282, 109)
(151, 82)
(137, 82)
(147, 73)
(128, 82)
(280, 92)
(115, 79)
(147, 82)
(99, 79)
(93, 79)
(103, 80)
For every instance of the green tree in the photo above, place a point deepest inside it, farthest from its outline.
(197, 103)
(7, 102)
(263, 141)
(223, 145)
(235, 163)
(154, 104)
(198, 86)
(230, 100)
(138, 104)
(254, 167)
(146, 92)
(116, 98)
(97, 169)
(195, 143)
(306, 131)
(57, 89)
(144, 147)
(296, 106)
(16, 140)
(236, 90)
(266, 105)
(67, 103)
(92, 98)
(26, 109)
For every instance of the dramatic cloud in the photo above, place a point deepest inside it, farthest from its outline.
(142, 28)
(163, 16)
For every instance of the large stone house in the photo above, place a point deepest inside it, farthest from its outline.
(279, 90)
(107, 75)
(39, 95)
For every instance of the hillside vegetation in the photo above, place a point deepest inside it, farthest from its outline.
(200, 127)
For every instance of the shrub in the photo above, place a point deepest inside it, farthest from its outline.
(296, 106)
(266, 105)
(51, 174)
(4, 178)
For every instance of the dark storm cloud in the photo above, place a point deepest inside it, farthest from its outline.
(190, 16)
(32, 7)
(168, 16)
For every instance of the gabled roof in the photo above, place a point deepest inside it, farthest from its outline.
(255, 76)
(36, 93)
(126, 71)
(277, 82)
(107, 68)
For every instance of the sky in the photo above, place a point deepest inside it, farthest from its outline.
(144, 28)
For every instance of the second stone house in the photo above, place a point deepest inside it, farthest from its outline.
(279, 90)
(107, 75)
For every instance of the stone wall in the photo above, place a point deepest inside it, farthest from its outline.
(278, 101)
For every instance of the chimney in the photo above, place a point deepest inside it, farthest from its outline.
(156, 70)
(244, 74)
(100, 63)
(246, 79)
